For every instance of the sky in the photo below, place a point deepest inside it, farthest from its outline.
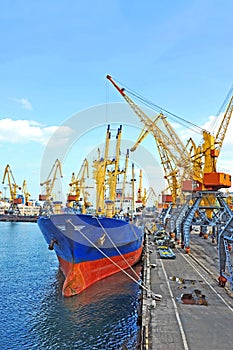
(55, 56)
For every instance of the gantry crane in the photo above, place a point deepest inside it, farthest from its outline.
(77, 188)
(175, 159)
(209, 181)
(210, 151)
(13, 187)
(208, 206)
(48, 185)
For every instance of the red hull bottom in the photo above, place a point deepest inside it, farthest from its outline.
(80, 276)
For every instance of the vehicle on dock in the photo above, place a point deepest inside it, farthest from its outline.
(166, 253)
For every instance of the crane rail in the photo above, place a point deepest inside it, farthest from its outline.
(200, 268)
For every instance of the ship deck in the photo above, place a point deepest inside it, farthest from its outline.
(171, 324)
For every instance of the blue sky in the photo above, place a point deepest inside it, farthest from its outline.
(55, 55)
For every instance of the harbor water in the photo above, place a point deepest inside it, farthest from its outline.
(34, 314)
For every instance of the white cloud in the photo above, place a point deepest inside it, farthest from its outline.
(213, 124)
(23, 131)
(24, 102)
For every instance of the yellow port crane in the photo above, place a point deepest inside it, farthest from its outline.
(210, 149)
(175, 159)
(48, 185)
(13, 187)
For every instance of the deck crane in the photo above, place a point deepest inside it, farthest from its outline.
(113, 174)
(174, 156)
(124, 179)
(99, 174)
(13, 187)
(105, 177)
(48, 185)
(77, 187)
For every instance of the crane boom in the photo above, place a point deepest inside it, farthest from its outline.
(224, 125)
(170, 139)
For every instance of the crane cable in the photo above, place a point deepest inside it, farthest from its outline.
(223, 107)
(156, 108)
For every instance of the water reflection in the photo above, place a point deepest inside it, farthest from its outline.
(102, 317)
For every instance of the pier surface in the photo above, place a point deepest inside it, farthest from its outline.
(171, 324)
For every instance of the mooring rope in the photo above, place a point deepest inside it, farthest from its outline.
(114, 245)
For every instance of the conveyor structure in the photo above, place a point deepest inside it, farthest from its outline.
(225, 242)
(221, 221)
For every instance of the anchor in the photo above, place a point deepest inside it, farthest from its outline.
(51, 245)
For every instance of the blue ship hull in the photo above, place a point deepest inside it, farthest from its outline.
(91, 248)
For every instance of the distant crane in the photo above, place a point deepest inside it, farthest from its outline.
(49, 185)
(77, 188)
(141, 196)
(13, 187)
(25, 192)
(151, 198)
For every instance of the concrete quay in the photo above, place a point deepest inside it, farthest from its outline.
(171, 325)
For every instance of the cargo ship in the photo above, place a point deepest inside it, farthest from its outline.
(91, 247)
